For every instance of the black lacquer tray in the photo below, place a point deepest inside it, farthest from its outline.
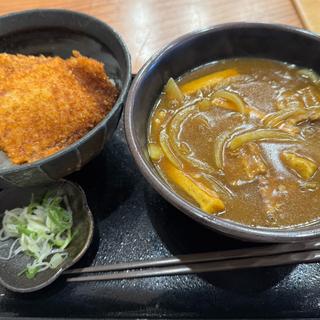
(134, 222)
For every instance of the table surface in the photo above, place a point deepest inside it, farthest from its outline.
(147, 25)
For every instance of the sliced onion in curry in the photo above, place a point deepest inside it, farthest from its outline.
(173, 92)
(218, 186)
(173, 132)
(275, 119)
(233, 97)
(155, 152)
(164, 143)
(219, 146)
(261, 135)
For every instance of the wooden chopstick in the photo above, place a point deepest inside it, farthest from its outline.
(224, 265)
(203, 257)
(270, 255)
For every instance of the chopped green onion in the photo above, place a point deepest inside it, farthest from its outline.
(42, 230)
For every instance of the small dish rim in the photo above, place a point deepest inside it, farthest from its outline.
(78, 256)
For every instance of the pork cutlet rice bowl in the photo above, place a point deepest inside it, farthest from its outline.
(64, 77)
(48, 103)
(222, 123)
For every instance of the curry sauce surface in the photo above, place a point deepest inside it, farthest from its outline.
(276, 195)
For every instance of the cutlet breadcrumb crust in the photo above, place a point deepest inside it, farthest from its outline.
(47, 103)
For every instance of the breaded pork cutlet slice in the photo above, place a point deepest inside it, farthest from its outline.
(47, 103)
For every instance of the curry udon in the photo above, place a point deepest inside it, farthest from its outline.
(239, 138)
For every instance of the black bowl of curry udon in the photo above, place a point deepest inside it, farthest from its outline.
(225, 123)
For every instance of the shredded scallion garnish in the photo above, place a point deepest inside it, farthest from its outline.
(42, 230)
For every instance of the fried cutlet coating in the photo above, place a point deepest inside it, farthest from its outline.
(47, 103)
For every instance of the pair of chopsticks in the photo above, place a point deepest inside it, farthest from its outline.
(265, 256)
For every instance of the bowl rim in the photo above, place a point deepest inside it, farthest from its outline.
(119, 103)
(228, 227)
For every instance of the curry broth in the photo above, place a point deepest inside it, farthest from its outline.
(270, 182)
